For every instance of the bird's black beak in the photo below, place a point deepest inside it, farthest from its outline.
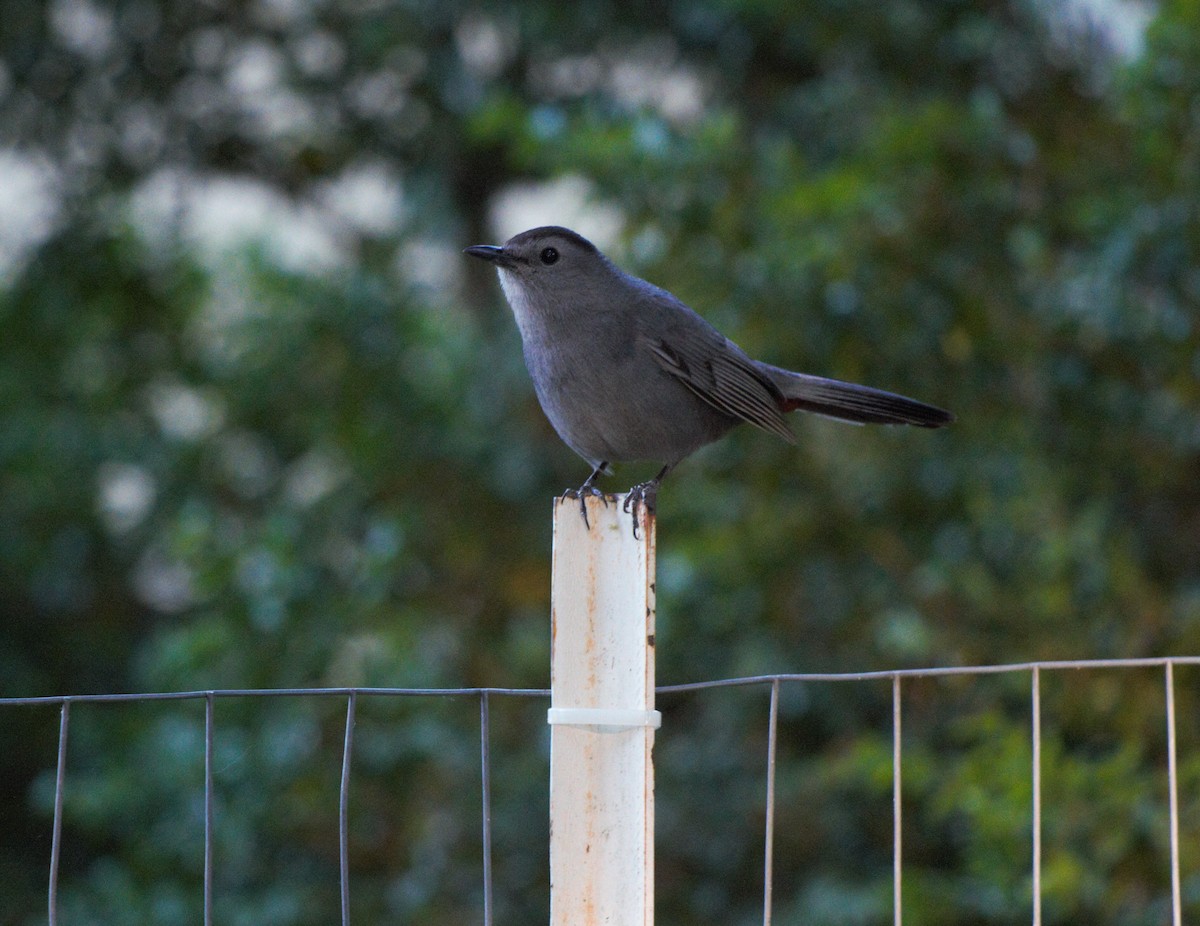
(491, 254)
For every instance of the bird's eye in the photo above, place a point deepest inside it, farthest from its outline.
(549, 255)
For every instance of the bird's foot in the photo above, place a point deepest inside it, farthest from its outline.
(581, 495)
(642, 494)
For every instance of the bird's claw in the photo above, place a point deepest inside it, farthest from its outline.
(581, 494)
(643, 494)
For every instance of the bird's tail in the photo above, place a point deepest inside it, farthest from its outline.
(850, 402)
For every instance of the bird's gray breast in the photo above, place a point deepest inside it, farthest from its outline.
(604, 392)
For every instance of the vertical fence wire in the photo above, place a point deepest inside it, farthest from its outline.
(897, 854)
(1173, 785)
(56, 839)
(485, 764)
(1036, 698)
(769, 837)
(344, 809)
(208, 807)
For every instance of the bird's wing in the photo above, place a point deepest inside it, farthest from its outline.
(717, 371)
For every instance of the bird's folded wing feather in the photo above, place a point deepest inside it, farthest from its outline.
(724, 377)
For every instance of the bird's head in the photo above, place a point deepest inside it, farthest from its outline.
(546, 269)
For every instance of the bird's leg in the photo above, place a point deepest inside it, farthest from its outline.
(644, 493)
(588, 488)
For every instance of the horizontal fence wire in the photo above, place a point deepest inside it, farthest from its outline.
(484, 694)
(275, 693)
(875, 675)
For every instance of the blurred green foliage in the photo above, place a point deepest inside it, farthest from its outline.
(236, 468)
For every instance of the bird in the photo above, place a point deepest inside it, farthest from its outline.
(625, 371)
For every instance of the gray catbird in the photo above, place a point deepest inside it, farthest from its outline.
(625, 371)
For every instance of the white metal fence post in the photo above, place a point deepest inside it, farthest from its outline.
(602, 716)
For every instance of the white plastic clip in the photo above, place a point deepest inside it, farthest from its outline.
(608, 720)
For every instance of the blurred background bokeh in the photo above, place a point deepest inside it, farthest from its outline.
(262, 425)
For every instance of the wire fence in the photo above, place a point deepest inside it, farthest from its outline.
(773, 683)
